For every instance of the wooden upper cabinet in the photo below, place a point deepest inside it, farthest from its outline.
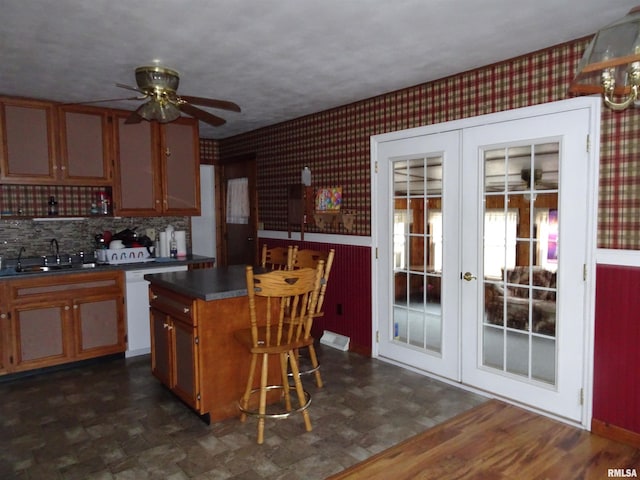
(27, 141)
(157, 168)
(137, 189)
(86, 156)
(181, 167)
(41, 143)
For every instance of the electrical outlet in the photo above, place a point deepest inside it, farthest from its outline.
(151, 233)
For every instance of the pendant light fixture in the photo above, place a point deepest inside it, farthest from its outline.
(611, 64)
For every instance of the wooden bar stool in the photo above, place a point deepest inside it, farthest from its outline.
(287, 293)
(277, 258)
(310, 259)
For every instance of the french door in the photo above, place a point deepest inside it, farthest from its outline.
(484, 231)
(420, 225)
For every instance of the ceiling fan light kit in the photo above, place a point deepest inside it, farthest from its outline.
(160, 110)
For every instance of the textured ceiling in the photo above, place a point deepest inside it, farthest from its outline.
(277, 59)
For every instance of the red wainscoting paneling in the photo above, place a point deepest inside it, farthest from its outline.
(347, 302)
(616, 400)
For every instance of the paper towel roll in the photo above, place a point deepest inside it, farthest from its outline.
(163, 250)
(181, 241)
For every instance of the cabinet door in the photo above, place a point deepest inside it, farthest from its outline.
(85, 145)
(185, 383)
(40, 335)
(137, 183)
(181, 157)
(98, 325)
(27, 144)
(5, 347)
(161, 356)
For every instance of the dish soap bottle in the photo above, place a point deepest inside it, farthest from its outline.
(53, 206)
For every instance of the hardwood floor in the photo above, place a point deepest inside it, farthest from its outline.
(499, 442)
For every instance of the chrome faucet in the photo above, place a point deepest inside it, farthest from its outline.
(19, 263)
(57, 249)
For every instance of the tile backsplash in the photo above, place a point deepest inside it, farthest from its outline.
(74, 235)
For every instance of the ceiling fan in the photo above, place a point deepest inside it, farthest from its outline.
(536, 181)
(159, 85)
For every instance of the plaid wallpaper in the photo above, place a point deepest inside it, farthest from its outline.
(32, 201)
(335, 143)
(208, 151)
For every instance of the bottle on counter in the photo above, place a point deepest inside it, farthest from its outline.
(157, 247)
(52, 208)
(104, 202)
(173, 246)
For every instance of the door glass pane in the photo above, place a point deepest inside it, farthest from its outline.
(521, 246)
(417, 252)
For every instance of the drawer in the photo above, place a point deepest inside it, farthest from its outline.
(171, 303)
(65, 286)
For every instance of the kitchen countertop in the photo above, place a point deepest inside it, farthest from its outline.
(11, 274)
(206, 284)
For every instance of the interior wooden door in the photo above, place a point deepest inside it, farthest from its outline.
(239, 237)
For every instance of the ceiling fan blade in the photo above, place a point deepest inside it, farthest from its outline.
(211, 102)
(128, 87)
(202, 115)
(133, 118)
(106, 100)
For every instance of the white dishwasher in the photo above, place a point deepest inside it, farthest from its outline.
(137, 301)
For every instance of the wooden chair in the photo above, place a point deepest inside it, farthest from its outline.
(269, 335)
(277, 258)
(310, 259)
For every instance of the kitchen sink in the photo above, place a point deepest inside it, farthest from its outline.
(55, 268)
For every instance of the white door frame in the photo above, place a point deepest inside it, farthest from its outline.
(591, 103)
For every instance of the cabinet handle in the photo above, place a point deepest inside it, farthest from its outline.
(75, 307)
(154, 297)
(185, 310)
(66, 307)
(167, 152)
(3, 315)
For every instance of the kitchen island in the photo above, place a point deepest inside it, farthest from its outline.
(193, 350)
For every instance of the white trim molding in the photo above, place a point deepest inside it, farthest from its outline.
(626, 258)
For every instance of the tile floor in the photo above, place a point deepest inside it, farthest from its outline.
(113, 420)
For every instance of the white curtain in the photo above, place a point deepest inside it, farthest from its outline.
(500, 230)
(238, 200)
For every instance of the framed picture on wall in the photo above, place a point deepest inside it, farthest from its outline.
(328, 200)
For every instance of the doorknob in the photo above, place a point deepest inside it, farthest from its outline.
(468, 276)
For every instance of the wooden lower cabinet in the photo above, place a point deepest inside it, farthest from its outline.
(55, 320)
(5, 345)
(194, 352)
(174, 345)
(174, 356)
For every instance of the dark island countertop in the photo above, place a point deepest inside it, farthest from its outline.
(206, 284)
